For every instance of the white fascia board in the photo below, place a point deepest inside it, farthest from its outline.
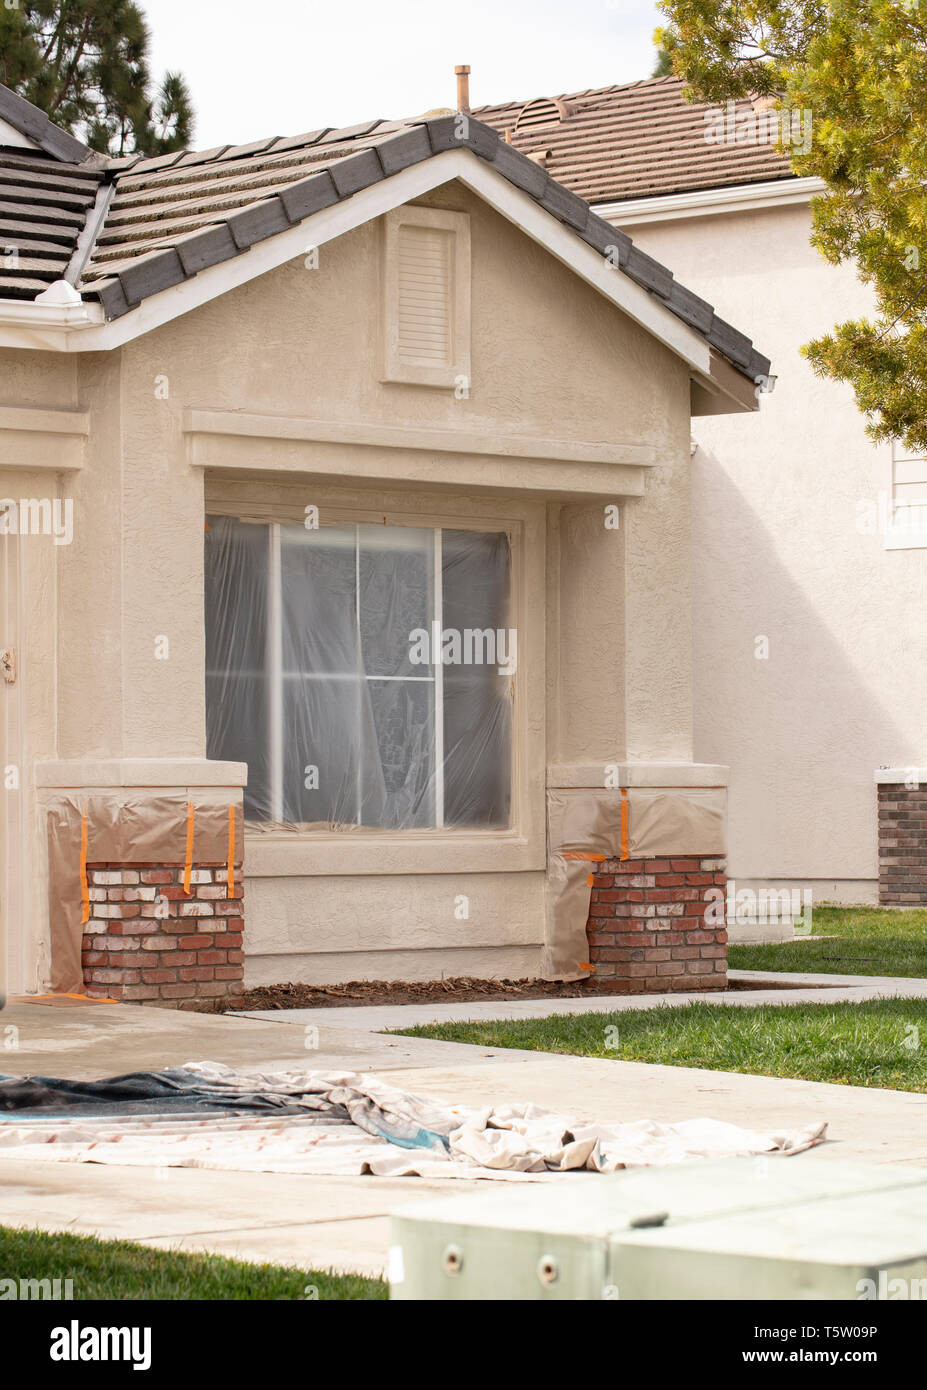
(46, 327)
(705, 202)
(93, 335)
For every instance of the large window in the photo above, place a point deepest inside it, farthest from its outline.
(364, 673)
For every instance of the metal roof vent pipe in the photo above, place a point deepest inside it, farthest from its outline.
(463, 87)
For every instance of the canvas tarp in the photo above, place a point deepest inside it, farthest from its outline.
(587, 825)
(123, 829)
(205, 1115)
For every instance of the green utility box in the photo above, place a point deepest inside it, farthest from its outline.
(743, 1228)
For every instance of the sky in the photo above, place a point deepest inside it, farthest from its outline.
(282, 67)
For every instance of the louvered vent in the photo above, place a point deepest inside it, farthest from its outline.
(425, 296)
(541, 113)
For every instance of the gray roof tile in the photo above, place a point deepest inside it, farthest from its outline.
(648, 272)
(308, 196)
(178, 214)
(201, 249)
(727, 339)
(258, 222)
(355, 172)
(34, 124)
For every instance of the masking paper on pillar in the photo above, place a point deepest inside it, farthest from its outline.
(567, 895)
(580, 820)
(586, 819)
(676, 820)
(670, 821)
(128, 830)
(363, 672)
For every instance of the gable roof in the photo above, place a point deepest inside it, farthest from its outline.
(638, 140)
(134, 227)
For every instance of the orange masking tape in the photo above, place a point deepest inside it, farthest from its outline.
(188, 861)
(624, 822)
(580, 854)
(84, 889)
(230, 879)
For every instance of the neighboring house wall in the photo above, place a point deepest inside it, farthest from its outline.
(779, 551)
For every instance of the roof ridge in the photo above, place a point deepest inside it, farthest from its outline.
(32, 122)
(121, 280)
(585, 92)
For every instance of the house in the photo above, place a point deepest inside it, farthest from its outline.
(346, 501)
(809, 572)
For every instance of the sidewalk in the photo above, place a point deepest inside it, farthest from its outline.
(343, 1222)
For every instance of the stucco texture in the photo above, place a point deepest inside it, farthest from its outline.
(778, 553)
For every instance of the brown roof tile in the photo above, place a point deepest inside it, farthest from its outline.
(633, 141)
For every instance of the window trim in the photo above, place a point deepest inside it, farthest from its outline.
(275, 852)
(393, 369)
(896, 535)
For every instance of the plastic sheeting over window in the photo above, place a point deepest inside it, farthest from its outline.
(362, 672)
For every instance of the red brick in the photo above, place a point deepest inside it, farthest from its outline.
(211, 958)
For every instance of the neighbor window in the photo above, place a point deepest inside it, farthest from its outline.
(905, 527)
(363, 672)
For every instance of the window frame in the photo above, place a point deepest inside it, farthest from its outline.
(393, 368)
(898, 536)
(278, 851)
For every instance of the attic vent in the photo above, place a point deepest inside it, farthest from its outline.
(424, 295)
(541, 113)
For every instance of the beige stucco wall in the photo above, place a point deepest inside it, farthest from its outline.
(778, 553)
(550, 359)
(28, 708)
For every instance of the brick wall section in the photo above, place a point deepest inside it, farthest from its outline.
(647, 927)
(185, 959)
(902, 844)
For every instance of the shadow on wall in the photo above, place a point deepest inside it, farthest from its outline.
(777, 697)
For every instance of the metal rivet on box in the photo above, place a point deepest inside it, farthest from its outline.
(548, 1270)
(453, 1259)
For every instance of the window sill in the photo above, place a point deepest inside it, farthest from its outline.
(300, 854)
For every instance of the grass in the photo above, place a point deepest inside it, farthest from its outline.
(876, 1043)
(860, 941)
(118, 1269)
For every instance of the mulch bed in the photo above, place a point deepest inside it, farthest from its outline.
(458, 989)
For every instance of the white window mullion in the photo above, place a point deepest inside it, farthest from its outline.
(439, 683)
(275, 672)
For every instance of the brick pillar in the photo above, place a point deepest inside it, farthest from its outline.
(902, 844)
(647, 924)
(149, 942)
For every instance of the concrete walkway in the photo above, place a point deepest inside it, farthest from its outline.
(317, 1222)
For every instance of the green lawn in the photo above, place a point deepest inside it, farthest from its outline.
(860, 941)
(117, 1269)
(877, 1043)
